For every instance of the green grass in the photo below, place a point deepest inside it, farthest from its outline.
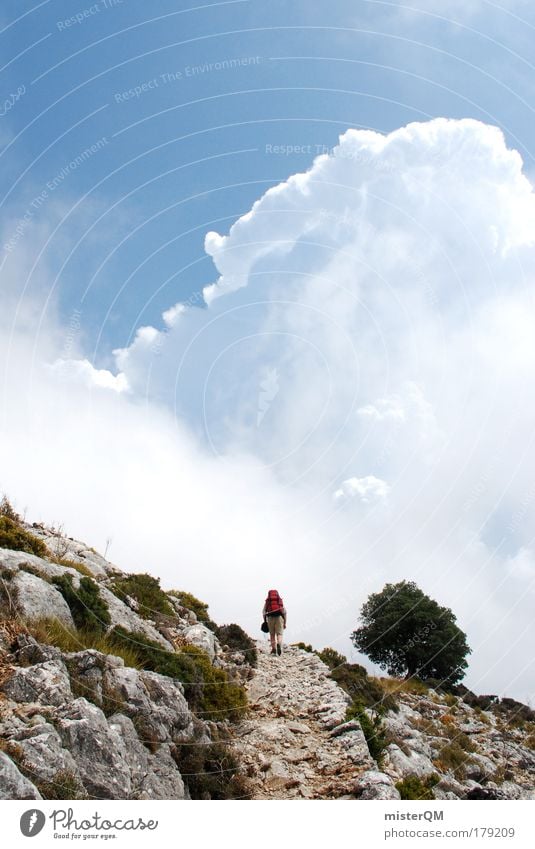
(453, 757)
(73, 564)
(147, 592)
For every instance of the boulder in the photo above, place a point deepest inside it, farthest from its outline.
(103, 756)
(35, 598)
(374, 784)
(16, 560)
(13, 784)
(157, 702)
(399, 764)
(44, 754)
(356, 747)
(201, 636)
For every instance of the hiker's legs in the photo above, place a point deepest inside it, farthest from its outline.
(276, 629)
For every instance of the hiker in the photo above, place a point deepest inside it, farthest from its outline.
(274, 614)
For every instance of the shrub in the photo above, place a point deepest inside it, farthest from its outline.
(146, 590)
(373, 730)
(15, 537)
(237, 640)
(210, 771)
(6, 509)
(304, 647)
(199, 608)
(413, 788)
(88, 609)
(364, 690)
(221, 698)
(332, 658)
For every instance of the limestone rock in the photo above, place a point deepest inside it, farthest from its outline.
(374, 784)
(37, 599)
(13, 784)
(201, 636)
(123, 616)
(44, 754)
(102, 755)
(45, 683)
(400, 765)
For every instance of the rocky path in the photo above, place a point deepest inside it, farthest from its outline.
(295, 744)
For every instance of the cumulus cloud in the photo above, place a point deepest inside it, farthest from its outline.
(369, 324)
(368, 489)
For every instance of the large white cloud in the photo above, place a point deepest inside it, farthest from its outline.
(369, 334)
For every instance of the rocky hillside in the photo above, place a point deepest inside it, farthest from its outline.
(109, 687)
(112, 688)
(297, 742)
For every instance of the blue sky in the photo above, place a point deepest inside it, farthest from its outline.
(267, 285)
(198, 148)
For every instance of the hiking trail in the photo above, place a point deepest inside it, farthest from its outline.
(295, 742)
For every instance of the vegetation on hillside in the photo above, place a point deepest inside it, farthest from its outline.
(199, 608)
(88, 609)
(148, 596)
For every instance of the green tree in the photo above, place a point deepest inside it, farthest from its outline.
(407, 633)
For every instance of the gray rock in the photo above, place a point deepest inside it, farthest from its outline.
(15, 560)
(374, 784)
(354, 743)
(102, 755)
(201, 636)
(351, 725)
(44, 754)
(156, 701)
(163, 781)
(37, 599)
(153, 776)
(13, 784)
(45, 683)
(28, 651)
(123, 616)
(399, 764)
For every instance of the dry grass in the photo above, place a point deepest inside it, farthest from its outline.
(54, 633)
(73, 564)
(402, 685)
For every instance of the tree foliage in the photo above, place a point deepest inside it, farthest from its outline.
(407, 633)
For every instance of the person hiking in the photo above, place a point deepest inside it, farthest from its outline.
(274, 614)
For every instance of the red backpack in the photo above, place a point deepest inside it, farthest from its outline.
(274, 603)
